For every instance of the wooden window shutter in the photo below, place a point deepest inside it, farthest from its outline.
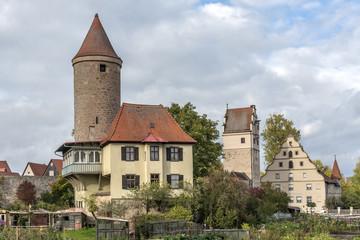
(137, 180)
(181, 181)
(168, 154)
(168, 177)
(123, 153)
(124, 183)
(180, 150)
(136, 153)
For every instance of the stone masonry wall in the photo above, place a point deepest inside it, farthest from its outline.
(96, 98)
(10, 184)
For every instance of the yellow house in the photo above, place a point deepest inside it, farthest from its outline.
(293, 172)
(143, 144)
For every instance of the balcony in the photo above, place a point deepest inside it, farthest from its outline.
(82, 168)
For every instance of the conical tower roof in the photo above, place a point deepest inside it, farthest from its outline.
(335, 171)
(96, 42)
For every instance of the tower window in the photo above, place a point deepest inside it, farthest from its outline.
(290, 154)
(102, 68)
(291, 165)
(242, 140)
(97, 120)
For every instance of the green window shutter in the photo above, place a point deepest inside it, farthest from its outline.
(124, 183)
(136, 153)
(137, 180)
(181, 181)
(123, 153)
(180, 150)
(168, 154)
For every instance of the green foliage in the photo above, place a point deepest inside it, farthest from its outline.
(207, 152)
(27, 234)
(26, 192)
(113, 208)
(264, 202)
(322, 168)
(179, 213)
(61, 195)
(333, 202)
(91, 203)
(81, 234)
(311, 204)
(151, 195)
(350, 193)
(277, 129)
(220, 200)
(206, 236)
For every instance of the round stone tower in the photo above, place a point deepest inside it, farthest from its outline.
(96, 85)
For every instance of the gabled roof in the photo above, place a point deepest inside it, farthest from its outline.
(5, 166)
(37, 168)
(139, 123)
(238, 120)
(96, 42)
(57, 163)
(335, 174)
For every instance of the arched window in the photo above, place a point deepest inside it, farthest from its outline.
(291, 177)
(97, 157)
(290, 154)
(91, 157)
(76, 157)
(291, 165)
(83, 157)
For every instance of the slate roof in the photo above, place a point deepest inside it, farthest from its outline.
(96, 42)
(58, 163)
(145, 123)
(37, 168)
(335, 174)
(238, 120)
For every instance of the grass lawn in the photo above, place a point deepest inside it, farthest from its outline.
(81, 234)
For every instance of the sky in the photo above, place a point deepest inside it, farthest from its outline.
(298, 58)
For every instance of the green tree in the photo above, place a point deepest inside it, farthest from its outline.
(151, 195)
(277, 129)
(322, 168)
(220, 200)
(113, 208)
(350, 192)
(207, 151)
(61, 195)
(92, 206)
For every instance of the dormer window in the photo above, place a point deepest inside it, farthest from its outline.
(102, 68)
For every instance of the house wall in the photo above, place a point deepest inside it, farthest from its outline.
(302, 175)
(28, 171)
(144, 167)
(11, 183)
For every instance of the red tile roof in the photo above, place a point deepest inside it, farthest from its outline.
(96, 42)
(139, 123)
(58, 163)
(335, 174)
(37, 168)
(4, 164)
(9, 174)
(238, 119)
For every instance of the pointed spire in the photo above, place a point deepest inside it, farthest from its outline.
(96, 42)
(336, 171)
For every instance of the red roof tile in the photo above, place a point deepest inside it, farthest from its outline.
(37, 168)
(58, 163)
(238, 119)
(9, 174)
(4, 164)
(96, 42)
(137, 123)
(335, 174)
(152, 138)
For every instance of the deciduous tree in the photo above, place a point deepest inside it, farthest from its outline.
(62, 194)
(207, 151)
(26, 192)
(277, 129)
(322, 168)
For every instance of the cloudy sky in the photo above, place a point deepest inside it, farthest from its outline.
(299, 58)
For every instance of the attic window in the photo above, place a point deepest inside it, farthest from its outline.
(152, 125)
(102, 67)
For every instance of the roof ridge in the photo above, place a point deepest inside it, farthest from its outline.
(177, 124)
